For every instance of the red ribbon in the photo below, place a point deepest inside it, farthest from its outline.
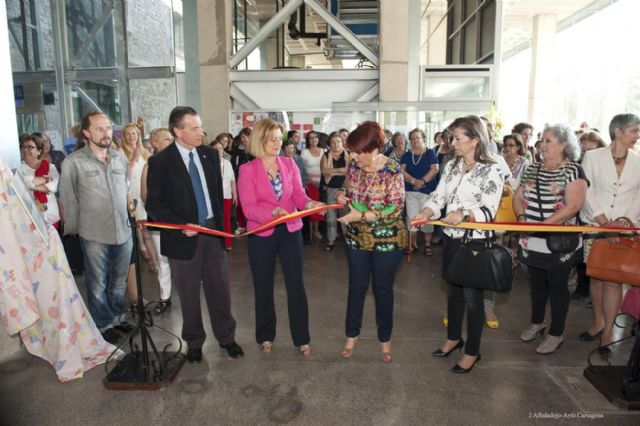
(270, 224)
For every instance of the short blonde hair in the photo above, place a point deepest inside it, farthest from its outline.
(260, 135)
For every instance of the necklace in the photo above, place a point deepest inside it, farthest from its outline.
(413, 158)
(619, 160)
(466, 167)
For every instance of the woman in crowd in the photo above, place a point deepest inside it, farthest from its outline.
(312, 156)
(553, 192)
(589, 140)
(239, 156)
(53, 156)
(470, 183)
(334, 169)
(420, 169)
(612, 199)
(399, 142)
(224, 141)
(513, 151)
(375, 232)
(230, 194)
(41, 177)
(159, 139)
(137, 156)
(270, 186)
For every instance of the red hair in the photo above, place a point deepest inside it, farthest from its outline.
(366, 138)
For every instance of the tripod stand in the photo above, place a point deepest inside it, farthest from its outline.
(143, 369)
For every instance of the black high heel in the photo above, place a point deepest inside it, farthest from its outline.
(442, 354)
(459, 370)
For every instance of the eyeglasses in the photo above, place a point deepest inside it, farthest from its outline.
(29, 147)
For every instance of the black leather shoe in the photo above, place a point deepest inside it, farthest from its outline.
(233, 349)
(585, 336)
(604, 352)
(194, 355)
(459, 370)
(125, 327)
(441, 354)
(111, 336)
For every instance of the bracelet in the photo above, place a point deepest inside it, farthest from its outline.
(363, 217)
(521, 215)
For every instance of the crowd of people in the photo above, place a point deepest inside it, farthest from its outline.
(384, 181)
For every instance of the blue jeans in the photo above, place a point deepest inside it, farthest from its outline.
(105, 276)
(379, 268)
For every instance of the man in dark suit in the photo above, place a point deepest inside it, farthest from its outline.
(185, 187)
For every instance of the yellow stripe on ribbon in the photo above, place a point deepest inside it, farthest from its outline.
(274, 222)
(526, 227)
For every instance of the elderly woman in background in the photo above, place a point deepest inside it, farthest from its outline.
(399, 142)
(334, 169)
(375, 232)
(514, 154)
(420, 170)
(470, 183)
(159, 139)
(612, 199)
(41, 177)
(270, 186)
(552, 192)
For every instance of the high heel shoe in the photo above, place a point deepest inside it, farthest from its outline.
(386, 355)
(459, 370)
(348, 351)
(439, 353)
(530, 333)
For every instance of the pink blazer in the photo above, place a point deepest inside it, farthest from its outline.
(258, 199)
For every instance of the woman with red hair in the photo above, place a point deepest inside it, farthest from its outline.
(376, 235)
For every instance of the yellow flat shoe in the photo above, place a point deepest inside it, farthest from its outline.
(445, 321)
(493, 324)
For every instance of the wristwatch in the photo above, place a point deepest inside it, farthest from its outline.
(363, 217)
(465, 215)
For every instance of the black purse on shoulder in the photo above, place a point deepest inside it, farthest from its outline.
(482, 263)
(557, 242)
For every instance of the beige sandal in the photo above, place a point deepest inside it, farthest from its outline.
(305, 350)
(266, 346)
(348, 351)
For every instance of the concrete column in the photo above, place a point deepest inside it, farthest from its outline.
(191, 58)
(436, 39)
(541, 97)
(9, 149)
(214, 49)
(399, 50)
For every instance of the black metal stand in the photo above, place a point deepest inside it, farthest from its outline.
(142, 369)
(619, 384)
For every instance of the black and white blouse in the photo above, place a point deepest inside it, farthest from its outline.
(539, 205)
(479, 187)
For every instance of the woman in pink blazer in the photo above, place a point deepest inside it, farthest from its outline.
(270, 186)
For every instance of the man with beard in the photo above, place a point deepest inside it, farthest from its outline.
(93, 192)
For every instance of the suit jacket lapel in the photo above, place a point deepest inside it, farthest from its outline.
(183, 173)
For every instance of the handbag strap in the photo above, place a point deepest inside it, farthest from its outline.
(539, 193)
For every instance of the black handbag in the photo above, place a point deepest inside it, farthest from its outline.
(557, 242)
(482, 263)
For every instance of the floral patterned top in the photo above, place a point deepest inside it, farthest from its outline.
(534, 251)
(479, 187)
(381, 192)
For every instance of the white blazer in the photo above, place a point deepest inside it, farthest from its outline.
(609, 194)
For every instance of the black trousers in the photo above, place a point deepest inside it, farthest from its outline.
(459, 297)
(550, 285)
(263, 252)
(209, 267)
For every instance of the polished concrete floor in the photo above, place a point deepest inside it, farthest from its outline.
(511, 385)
